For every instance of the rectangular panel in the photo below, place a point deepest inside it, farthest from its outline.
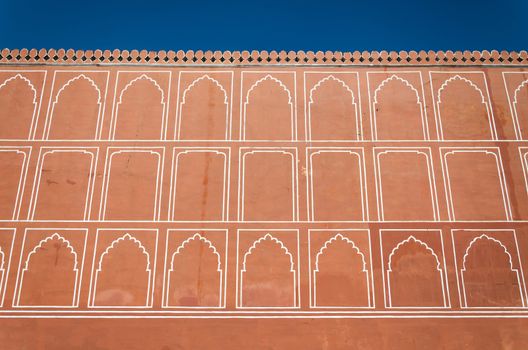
(200, 184)
(268, 184)
(132, 184)
(13, 170)
(406, 187)
(337, 184)
(64, 182)
(475, 185)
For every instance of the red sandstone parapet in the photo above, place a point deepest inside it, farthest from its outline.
(255, 57)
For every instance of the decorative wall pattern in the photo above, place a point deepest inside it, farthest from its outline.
(186, 191)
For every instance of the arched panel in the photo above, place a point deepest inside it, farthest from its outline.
(415, 276)
(341, 277)
(140, 111)
(123, 275)
(398, 111)
(268, 275)
(489, 279)
(520, 105)
(49, 275)
(333, 111)
(18, 98)
(195, 275)
(464, 113)
(268, 111)
(75, 111)
(204, 111)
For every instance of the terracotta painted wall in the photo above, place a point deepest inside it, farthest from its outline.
(316, 206)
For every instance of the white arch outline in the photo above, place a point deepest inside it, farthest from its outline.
(26, 80)
(19, 76)
(505, 249)
(438, 95)
(143, 250)
(408, 240)
(358, 251)
(79, 77)
(143, 76)
(268, 237)
(184, 96)
(394, 77)
(269, 77)
(522, 85)
(359, 133)
(180, 248)
(54, 236)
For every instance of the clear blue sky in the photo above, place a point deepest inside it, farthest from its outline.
(265, 24)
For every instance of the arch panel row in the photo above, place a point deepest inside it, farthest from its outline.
(132, 268)
(136, 105)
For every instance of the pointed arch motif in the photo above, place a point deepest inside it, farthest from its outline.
(261, 288)
(455, 78)
(119, 290)
(521, 110)
(497, 292)
(351, 280)
(387, 121)
(62, 289)
(14, 125)
(463, 122)
(26, 80)
(276, 127)
(188, 294)
(153, 127)
(333, 126)
(426, 291)
(206, 115)
(75, 123)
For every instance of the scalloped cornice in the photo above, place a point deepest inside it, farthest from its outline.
(61, 56)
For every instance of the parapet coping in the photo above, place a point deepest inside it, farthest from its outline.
(256, 58)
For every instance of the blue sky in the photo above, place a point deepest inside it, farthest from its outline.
(265, 24)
